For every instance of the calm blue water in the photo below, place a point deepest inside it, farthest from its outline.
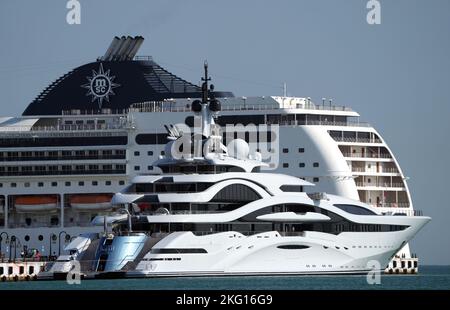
(430, 277)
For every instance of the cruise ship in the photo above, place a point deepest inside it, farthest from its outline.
(94, 129)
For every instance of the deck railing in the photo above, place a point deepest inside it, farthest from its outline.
(367, 155)
(378, 184)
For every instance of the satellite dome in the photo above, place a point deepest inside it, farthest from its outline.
(238, 148)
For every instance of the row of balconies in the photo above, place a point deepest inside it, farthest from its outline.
(375, 171)
(380, 184)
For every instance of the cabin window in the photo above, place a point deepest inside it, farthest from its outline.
(40, 237)
(137, 153)
(236, 193)
(301, 165)
(81, 183)
(291, 188)
(285, 165)
(178, 251)
(150, 153)
(94, 183)
(41, 184)
(315, 180)
(293, 247)
(54, 184)
(27, 238)
(137, 168)
(67, 183)
(353, 209)
(107, 183)
(301, 150)
(316, 164)
(121, 182)
(13, 184)
(285, 150)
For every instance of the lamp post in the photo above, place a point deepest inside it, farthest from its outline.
(59, 241)
(129, 219)
(13, 239)
(6, 242)
(52, 236)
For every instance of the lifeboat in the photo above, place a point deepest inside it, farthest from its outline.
(90, 202)
(36, 203)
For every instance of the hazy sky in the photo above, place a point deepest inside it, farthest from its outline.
(396, 75)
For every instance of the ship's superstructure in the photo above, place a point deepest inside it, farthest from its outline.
(97, 127)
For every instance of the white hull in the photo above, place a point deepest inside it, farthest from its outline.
(231, 253)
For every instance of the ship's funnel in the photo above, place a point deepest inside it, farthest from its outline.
(123, 48)
(139, 40)
(126, 54)
(113, 55)
(111, 48)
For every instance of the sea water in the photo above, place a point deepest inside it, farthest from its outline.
(429, 278)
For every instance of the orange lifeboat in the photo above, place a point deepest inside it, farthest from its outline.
(36, 203)
(91, 202)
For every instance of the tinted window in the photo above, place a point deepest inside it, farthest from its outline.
(293, 247)
(355, 209)
(291, 188)
(178, 251)
(237, 193)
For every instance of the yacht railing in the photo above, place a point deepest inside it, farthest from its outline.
(251, 233)
(404, 212)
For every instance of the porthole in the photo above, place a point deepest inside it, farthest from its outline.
(40, 237)
(27, 238)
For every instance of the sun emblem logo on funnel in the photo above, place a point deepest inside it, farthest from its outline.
(100, 86)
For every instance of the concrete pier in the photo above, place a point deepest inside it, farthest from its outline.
(403, 265)
(21, 270)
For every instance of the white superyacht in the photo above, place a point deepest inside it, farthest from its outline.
(212, 212)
